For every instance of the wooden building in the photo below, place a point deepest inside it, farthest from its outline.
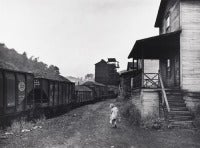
(106, 72)
(177, 47)
(125, 84)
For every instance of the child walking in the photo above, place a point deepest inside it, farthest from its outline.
(114, 115)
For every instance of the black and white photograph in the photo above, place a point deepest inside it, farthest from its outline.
(99, 73)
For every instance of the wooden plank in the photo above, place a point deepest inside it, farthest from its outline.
(172, 8)
(190, 44)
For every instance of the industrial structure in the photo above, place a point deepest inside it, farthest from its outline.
(106, 72)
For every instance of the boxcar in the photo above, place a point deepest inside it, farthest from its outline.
(16, 93)
(100, 91)
(83, 94)
(54, 94)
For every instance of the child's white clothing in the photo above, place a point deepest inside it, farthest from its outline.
(114, 115)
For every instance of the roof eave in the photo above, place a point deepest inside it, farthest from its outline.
(131, 53)
(138, 42)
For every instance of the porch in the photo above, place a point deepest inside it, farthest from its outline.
(149, 93)
(165, 49)
(158, 91)
(153, 100)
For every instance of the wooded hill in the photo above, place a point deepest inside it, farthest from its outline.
(11, 59)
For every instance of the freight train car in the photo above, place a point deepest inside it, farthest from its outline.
(83, 94)
(100, 91)
(23, 93)
(16, 94)
(53, 95)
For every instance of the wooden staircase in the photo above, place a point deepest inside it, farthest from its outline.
(179, 115)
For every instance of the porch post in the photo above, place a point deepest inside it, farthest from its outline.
(142, 72)
(142, 68)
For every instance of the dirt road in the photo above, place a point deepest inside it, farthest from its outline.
(88, 127)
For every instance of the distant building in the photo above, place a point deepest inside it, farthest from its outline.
(125, 83)
(125, 79)
(130, 66)
(106, 72)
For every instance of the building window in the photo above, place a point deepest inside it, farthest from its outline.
(167, 23)
(168, 67)
(131, 83)
(168, 64)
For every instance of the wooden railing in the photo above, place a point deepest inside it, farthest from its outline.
(164, 96)
(150, 80)
(145, 80)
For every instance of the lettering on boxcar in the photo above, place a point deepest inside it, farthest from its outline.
(21, 86)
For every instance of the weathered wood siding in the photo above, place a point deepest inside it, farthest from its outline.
(192, 101)
(190, 45)
(177, 69)
(125, 85)
(173, 10)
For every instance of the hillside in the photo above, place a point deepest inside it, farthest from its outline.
(11, 59)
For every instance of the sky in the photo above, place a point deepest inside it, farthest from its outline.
(76, 34)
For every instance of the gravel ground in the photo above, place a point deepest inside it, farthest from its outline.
(88, 127)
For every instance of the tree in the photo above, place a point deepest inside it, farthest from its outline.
(24, 54)
(89, 76)
(55, 69)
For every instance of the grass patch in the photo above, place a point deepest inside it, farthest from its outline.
(18, 125)
(131, 113)
(22, 125)
(154, 123)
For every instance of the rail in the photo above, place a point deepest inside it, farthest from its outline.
(164, 96)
